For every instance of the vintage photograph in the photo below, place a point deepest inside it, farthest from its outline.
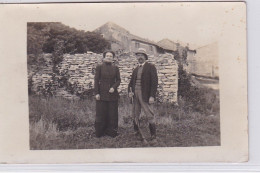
(142, 82)
(148, 77)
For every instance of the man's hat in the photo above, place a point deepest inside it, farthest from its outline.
(142, 51)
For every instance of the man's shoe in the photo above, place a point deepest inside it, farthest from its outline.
(152, 129)
(145, 142)
(135, 126)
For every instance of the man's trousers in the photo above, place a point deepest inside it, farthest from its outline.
(140, 104)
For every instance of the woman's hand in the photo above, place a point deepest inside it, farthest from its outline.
(151, 100)
(111, 90)
(97, 97)
(130, 94)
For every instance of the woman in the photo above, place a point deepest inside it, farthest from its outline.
(107, 79)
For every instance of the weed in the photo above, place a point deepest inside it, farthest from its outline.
(57, 123)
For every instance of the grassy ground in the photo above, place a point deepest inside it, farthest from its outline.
(56, 123)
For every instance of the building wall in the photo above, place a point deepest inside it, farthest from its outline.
(205, 61)
(121, 41)
(150, 49)
(81, 68)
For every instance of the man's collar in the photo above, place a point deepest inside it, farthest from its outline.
(142, 64)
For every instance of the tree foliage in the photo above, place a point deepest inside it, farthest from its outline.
(184, 84)
(45, 37)
(181, 55)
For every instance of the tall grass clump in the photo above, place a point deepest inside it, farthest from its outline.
(41, 133)
(66, 114)
(125, 110)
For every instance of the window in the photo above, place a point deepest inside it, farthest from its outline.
(137, 45)
(151, 48)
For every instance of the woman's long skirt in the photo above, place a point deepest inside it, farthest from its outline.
(106, 122)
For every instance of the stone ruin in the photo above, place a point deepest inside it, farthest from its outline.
(80, 70)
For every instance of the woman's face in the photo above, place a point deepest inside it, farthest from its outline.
(108, 57)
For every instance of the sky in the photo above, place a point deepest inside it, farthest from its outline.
(195, 23)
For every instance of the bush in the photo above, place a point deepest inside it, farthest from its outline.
(200, 99)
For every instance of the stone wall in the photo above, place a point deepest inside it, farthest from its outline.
(80, 70)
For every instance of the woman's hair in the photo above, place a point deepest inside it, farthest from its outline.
(108, 51)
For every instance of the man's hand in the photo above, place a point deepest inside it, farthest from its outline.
(97, 97)
(151, 100)
(130, 94)
(111, 90)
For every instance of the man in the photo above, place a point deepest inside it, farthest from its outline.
(143, 87)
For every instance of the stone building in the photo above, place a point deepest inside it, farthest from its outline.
(151, 47)
(205, 61)
(122, 41)
(168, 45)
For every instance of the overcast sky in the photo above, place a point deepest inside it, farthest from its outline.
(195, 23)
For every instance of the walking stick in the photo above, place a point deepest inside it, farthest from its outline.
(137, 122)
(132, 98)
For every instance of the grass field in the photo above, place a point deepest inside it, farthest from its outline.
(57, 123)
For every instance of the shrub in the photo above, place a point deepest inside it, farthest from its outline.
(198, 98)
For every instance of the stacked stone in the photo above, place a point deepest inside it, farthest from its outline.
(126, 66)
(167, 70)
(80, 69)
(40, 81)
(43, 78)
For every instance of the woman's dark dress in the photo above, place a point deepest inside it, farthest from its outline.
(107, 76)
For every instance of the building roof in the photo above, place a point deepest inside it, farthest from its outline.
(168, 44)
(135, 38)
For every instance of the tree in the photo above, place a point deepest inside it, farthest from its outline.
(42, 37)
(184, 84)
(58, 39)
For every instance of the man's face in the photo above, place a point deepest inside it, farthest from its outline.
(140, 58)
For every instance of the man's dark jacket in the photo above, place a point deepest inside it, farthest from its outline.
(149, 81)
(107, 76)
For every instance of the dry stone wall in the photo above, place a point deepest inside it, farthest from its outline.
(80, 69)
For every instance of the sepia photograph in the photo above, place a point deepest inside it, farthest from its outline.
(118, 82)
(116, 86)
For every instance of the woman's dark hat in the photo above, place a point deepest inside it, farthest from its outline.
(104, 54)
